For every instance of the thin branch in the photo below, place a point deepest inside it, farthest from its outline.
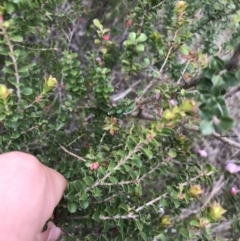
(72, 154)
(155, 80)
(119, 96)
(184, 70)
(133, 181)
(145, 12)
(220, 138)
(226, 140)
(165, 194)
(232, 91)
(10, 46)
(120, 163)
(160, 71)
(129, 216)
(158, 5)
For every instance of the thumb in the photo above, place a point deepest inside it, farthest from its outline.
(51, 234)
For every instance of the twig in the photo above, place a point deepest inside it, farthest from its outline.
(72, 154)
(165, 194)
(10, 46)
(133, 181)
(160, 71)
(184, 70)
(158, 5)
(115, 98)
(220, 138)
(217, 187)
(143, 18)
(232, 91)
(120, 163)
(129, 216)
(225, 140)
(155, 80)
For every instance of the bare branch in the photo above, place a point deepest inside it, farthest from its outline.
(72, 154)
(226, 140)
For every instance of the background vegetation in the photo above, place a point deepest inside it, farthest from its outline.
(130, 101)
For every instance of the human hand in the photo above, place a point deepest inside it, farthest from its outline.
(29, 192)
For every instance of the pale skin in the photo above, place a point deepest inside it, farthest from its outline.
(29, 192)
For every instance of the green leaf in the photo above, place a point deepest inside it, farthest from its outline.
(217, 80)
(142, 38)
(123, 206)
(148, 153)
(184, 50)
(172, 153)
(139, 225)
(17, 38)
(132, 36)
(226, 122)
(96, 216)
(72, 206)
(84, 203)
(96, 192)
(9, 7)
(104, 50)
(184, 233)
(144, 236)
(140, 47)
(194, 223)
(83, 196)
(26, 91)
(206, 127)
(113, 179)
(71, 196)
(88, 180)
(161, 237)
(23, 69)
(137, 162)
(97, 23)
(8, 70)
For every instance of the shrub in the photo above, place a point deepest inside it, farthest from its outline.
(69, 75)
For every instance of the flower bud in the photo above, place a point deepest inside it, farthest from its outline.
(51, 82)
(195, 190)
(4, 92)
(233, 190)
(165, 221)
(216, 211)
(203, 222)
(232, 167)
(202, 153)
(181, 6)
(94, 166)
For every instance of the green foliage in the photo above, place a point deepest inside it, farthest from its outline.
(129, 179)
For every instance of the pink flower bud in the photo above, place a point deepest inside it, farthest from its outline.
(94, 166)
(203, 153)
(233, 190)
(173, 102)
(232, 167)
(106, 37)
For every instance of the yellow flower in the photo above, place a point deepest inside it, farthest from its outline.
(195, 190)
(4, 92)
(181, 6)
(216, 211)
